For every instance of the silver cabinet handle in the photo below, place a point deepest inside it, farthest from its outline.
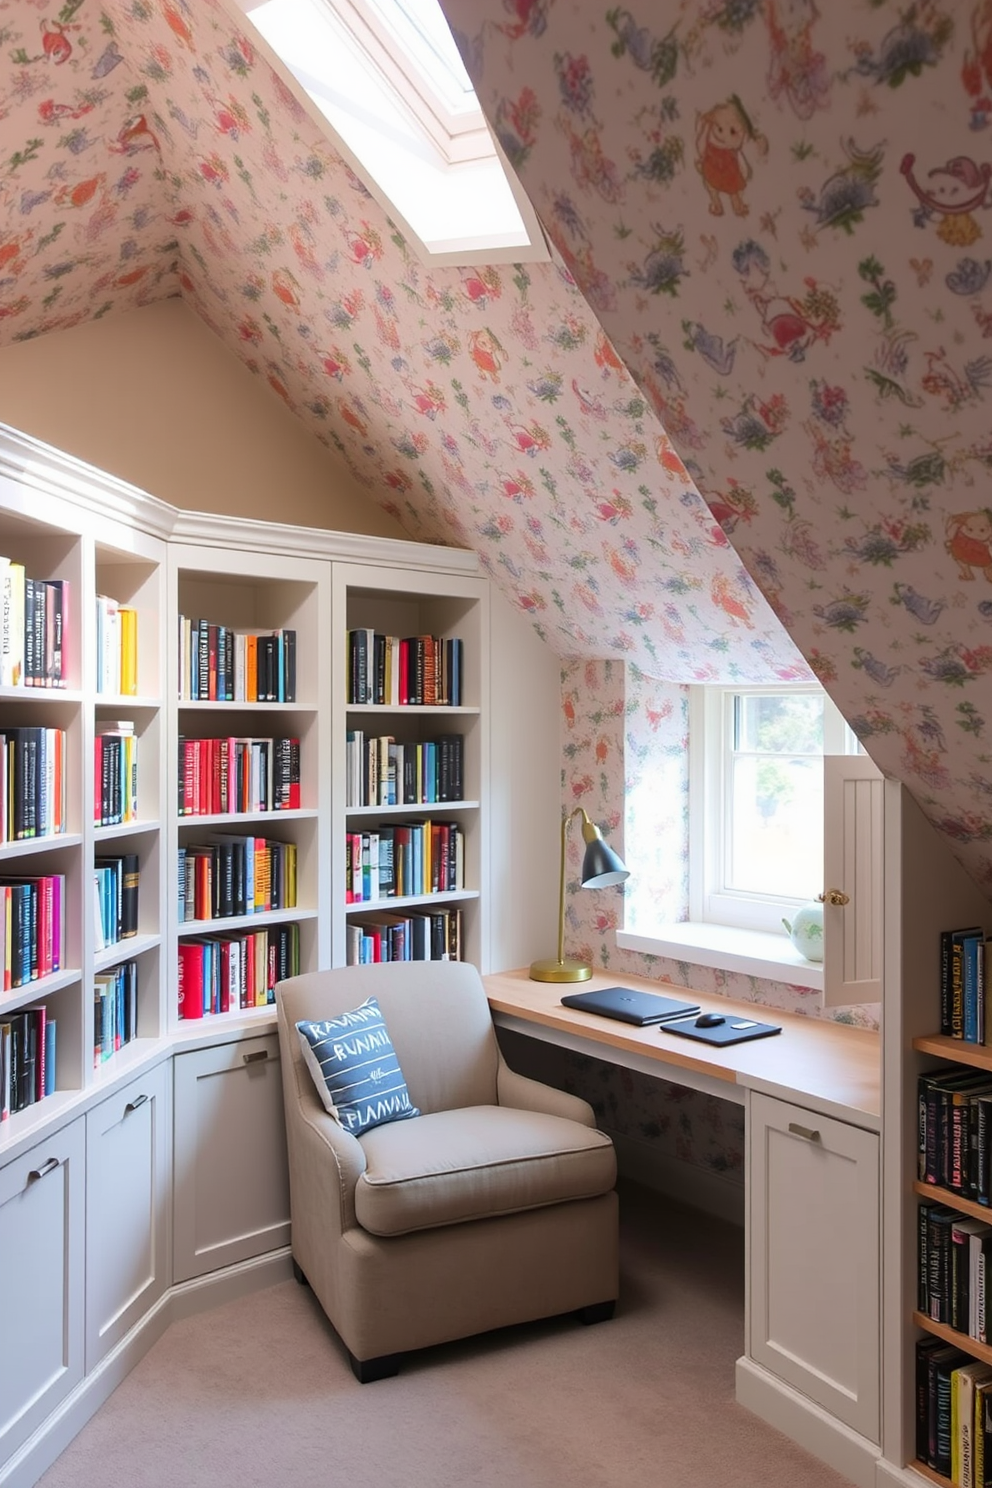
(139, 1100)
(256, 1056)
(810, 1133)
(46, 1167)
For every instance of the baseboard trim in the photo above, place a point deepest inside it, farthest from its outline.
(41, 1449)
(691, 1185)
(807, 1423)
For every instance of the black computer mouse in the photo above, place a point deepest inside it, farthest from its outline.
(710, 1020)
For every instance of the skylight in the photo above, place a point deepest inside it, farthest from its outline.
(387, 77)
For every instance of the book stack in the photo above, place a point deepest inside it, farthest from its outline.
(380, 772)
(27, 1058)
(955, 1131)
(33, 616)
(434, 935)
(955, 1270)
(115, 1010)
(32, 928)
(230, 876)
(221, 777)
(231, 973)
(420, 670)
(962, 984)
(116, 647)
(953, 1413)
(218, 664)
(115, 891)
(115, 773)
(32, 783)
(404, 859)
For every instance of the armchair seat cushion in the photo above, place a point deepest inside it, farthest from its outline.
(448, 1167)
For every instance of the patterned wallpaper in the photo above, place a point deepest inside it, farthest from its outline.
(149, 149)
(781, 214)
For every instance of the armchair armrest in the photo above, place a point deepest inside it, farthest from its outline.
(524, 1094)
(326, 1163)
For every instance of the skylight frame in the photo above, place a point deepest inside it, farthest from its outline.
(461, 142)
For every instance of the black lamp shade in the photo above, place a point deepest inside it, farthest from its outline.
(601, 866)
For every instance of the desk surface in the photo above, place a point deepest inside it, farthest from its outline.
(833, 1067)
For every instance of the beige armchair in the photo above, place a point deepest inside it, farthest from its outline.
(495, 1205)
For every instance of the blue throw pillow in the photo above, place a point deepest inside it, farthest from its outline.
(355, 1068)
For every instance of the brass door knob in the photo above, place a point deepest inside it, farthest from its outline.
(834, 896)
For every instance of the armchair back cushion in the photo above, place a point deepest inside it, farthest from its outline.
(438, 1020)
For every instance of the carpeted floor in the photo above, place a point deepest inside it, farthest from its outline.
(259, 1394)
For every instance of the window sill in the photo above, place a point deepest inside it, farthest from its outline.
(750, 952)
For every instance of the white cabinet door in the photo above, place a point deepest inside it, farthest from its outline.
(127, 1208)
(853, 857)
(813, 1247)
(41, 1261)
(231, 1192)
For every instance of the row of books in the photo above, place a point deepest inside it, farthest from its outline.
(32, 783)
(116, 647)
(955, 1131)
(115, 1010)
(33, 614)
(962, 985)
(419, 935)
(27, 1058)
(229, 973)
(953, 1413)
(115, 773)
(32, 927)
(218, 664)
(955, 1270)
(115, 899)
(424, 670)
(235, 876)
(380, 772)
(219, 777)
(425, 857)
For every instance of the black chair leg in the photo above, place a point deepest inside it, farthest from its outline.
(597, 1312)
(366, 1371)
(297, 1272)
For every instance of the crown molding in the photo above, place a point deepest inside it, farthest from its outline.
(49, 471)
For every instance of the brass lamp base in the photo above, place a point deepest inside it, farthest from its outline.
(560, 971)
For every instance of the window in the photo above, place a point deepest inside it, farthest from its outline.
(756, 800)
(386, 77)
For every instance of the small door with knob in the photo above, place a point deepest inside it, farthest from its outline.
(813, 1249)
(127, 1208)
(231, 1169)
(853, 882)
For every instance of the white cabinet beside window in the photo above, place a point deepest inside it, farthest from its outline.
(813, 1216)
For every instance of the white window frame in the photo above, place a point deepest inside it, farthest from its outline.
(711, 720)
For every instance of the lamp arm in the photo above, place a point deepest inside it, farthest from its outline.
(565, 823)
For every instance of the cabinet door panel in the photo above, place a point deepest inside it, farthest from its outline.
(41, 1245)
(232, 1180)
(814, 1263)
(127, 1190)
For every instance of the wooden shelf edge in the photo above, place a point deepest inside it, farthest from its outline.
(953, 1200)
(960, 1051)
(963, 1341)
(929, 1474)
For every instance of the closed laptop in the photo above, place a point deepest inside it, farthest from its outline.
(629, 1005)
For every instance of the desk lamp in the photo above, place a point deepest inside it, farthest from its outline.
(600, 868)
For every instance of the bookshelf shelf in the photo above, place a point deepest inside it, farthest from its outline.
(433, 710)
(228, 819)
(953, 1200)
(125, 829)
(258, 921)
(413, 808)
(408, 901)
(964, 1341)
(930, 1475)
(39, 844)
(124, 950)
(957, 1050)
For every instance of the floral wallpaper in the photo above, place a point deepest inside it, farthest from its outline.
(780, 212)
(149, 149)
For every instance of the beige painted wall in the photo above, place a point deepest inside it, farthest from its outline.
(155, 398)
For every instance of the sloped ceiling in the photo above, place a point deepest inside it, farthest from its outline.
(781, 215)
(803, 311)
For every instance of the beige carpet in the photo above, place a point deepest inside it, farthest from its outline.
(258, 1394)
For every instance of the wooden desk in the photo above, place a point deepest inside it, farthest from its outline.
(827, 1066)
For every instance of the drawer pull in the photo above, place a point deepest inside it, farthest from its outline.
(256, 1056)
(809, 1132)
(46, 1167)
(139, 1100)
